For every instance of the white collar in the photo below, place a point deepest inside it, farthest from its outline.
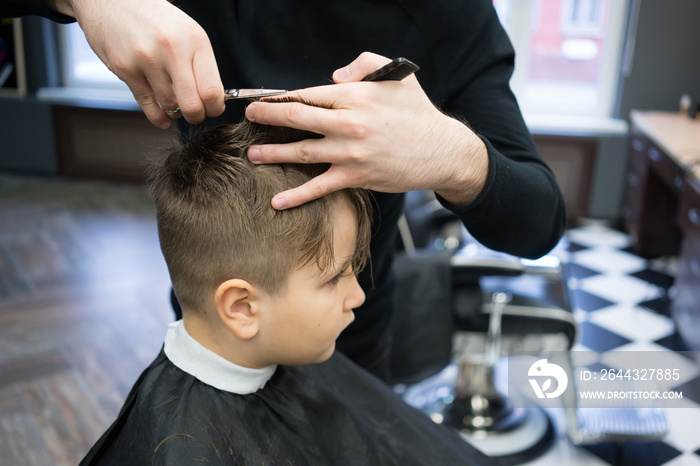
(190, 356)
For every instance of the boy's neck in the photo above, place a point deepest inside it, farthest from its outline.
(218, 339)
(188, 355)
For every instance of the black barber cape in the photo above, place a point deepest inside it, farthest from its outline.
(323, 414)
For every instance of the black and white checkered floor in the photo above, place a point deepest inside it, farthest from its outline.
(621, 302)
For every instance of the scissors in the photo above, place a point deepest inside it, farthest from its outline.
(237, 94)
(395, 70)
(250, 93)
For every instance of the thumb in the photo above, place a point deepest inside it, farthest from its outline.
(363, 65)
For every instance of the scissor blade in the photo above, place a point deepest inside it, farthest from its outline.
(251, 93)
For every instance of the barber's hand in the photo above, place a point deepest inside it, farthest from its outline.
(162, 54)
(386, 136)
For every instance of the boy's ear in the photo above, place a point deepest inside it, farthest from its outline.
(237, 308)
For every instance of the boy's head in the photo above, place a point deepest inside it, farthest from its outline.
(231, 256)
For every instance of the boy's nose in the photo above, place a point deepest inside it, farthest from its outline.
(355, 296)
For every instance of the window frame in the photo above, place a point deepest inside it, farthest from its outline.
(521, 16)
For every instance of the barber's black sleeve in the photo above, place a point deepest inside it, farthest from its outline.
(521, 210)
(17, 8)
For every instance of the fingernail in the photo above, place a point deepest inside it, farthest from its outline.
(250, 112)
(164, 125)
(254, 155)
(280, 203)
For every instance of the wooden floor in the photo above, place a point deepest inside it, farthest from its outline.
(84, 304)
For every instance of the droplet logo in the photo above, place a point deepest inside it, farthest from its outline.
(547, 371)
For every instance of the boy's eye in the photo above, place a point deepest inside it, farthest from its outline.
(343, 273)
(335, 280)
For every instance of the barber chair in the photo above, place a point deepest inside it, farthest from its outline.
(460, 308)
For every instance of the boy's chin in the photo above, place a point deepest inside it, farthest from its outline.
(306, 360)
(325, 356)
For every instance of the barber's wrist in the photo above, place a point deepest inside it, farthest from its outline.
(467, 169)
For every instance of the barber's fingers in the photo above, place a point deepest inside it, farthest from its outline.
(305, 151)
(195, 96)
(185, 89)
(295, 114)
(363, 65)
(162, 86)
(162, 54)
(325, 183)
(147, 100)
(208, 81)
(191, 83)
(351, 110)
(196, 83)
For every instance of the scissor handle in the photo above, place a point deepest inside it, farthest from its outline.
(396, 70)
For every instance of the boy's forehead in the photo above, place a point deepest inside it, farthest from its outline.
(344, 241)
(344, 233)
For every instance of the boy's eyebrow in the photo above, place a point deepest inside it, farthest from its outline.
(341, 269)
(348, 263)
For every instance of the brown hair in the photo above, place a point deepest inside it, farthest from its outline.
(215, 220)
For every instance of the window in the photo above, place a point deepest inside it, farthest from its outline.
(568, 54)
(583, 17)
